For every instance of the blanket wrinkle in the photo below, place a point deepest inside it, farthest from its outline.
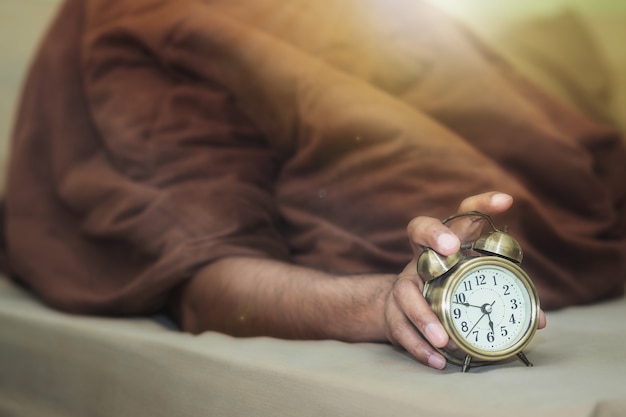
(185, 132)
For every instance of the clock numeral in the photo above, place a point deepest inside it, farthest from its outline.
(512, 319)
(490, 337)
(464, 326)
(457, 313)
(506, 290)
(514, 304)
(467, 285)
(475, 333)
(503, 331)
(495, 281)
(460, 298)
(481, 280)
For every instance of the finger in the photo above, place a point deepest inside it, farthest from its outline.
(541, 323)
(489, 203)
(411, 312)
(401, 332)
(416, 308)
(430, 232)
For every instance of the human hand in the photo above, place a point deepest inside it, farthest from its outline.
(410, 322)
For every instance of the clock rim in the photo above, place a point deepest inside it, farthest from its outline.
(457, 275)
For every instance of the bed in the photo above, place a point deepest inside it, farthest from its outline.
(54, 364)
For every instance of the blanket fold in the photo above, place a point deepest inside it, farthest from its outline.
(155, 137)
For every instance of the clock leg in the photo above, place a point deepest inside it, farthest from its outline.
(466, 363)
(524, 359)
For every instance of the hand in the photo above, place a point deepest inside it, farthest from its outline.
(409, 321)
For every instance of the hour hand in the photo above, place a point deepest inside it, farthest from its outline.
(487, 309)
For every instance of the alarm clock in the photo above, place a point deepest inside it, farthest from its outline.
(485, 301)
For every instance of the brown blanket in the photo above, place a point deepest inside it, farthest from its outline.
(156, 136)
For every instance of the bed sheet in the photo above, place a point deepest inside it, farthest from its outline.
(53, 364)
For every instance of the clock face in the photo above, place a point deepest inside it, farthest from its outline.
(490, 308)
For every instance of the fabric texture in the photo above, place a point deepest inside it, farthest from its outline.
(55, 364)
(155, 137)
(561, 54)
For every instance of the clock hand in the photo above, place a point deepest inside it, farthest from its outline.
(475, 324)
(486, 309)
(490, 322)
(466, 304)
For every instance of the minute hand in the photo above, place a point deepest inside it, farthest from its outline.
(466, 304)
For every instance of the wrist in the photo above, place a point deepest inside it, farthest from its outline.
(359, 314)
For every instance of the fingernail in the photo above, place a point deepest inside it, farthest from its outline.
(447, 241)
(436, 361)
(435, 334)
(500, 199)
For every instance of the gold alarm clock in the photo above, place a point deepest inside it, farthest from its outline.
(485, 301)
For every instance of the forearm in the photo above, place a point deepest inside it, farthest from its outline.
(252, 296)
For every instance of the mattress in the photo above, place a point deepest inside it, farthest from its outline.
(53, 364)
